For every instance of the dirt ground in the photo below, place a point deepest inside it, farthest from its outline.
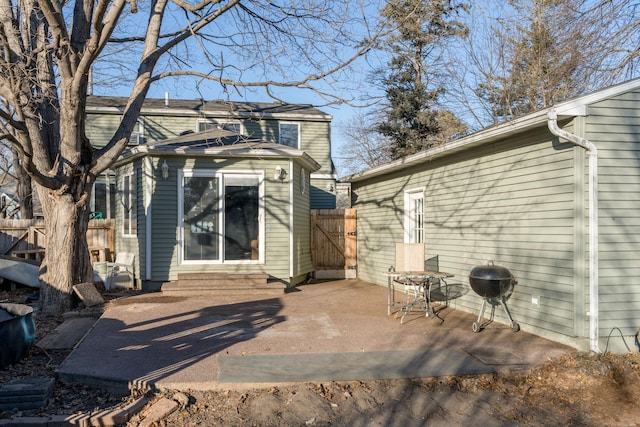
(577, 389)
(573, 390)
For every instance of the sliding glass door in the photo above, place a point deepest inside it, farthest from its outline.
(221, 217)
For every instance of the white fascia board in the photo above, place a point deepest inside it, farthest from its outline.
(216, 113)
(143, 150)
(598, 96)
(102, 110)
(324, 176)
(571, 108)
(237, 114)
(485, 136)
(482, 137)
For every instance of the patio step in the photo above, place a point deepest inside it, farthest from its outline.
(205, 284)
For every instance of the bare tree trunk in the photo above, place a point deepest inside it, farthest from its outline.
(24, 189)
(67, 261)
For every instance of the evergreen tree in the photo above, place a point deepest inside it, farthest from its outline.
(411, 118)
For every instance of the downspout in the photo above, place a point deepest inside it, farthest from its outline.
(592, 152)
(291, 225)
(148, 185)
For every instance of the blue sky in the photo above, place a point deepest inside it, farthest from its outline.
(354, 84)
(114, 71)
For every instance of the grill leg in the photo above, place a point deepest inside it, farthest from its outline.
(514, 326)
(476, 325)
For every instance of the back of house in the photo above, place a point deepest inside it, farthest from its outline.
(298, 126)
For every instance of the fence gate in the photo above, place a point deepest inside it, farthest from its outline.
(333, 243)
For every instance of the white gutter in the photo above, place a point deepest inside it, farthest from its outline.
(592, 152)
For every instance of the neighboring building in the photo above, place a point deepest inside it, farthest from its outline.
(8, 203)
(343, 195)
(213, 202)
(301, 127)
(519, 195)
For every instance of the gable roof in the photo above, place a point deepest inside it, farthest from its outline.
(565, 110)
(217, 143)
(212, 108)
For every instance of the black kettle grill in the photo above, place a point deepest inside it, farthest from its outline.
(495, 284)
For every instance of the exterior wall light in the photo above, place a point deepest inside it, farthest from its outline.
(280, 174)
(165, 170)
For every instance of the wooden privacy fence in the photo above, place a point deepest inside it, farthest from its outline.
(333, 243)
(25, 238)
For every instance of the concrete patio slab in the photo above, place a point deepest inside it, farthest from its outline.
(370, 365)
(328, 330)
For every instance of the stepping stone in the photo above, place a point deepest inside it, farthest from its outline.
(88, 294)
(158, 411)
(119, 415)
(67, 334)
(26, 393)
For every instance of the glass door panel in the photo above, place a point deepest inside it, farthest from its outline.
(200, 220)
(241, 217)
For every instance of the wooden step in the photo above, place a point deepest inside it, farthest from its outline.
(222, 275)
(204, 284)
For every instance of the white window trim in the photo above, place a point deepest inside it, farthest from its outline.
(220, 122)
(108, 214)
(132, 189)
(137, 133)
(220, 174)
(280, 133)
(409, 220)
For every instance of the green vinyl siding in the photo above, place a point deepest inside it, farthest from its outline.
(323, 193)
(158, 128)
(277, 223)
(315, 141)
(524, 203)
(314, 135)
(164, 220)
(100, 128)
(123, 243)
(510, 202)
(264, 129)
(165, 232)
(302, 264)
(614, 126)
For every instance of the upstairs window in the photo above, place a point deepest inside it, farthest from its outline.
(290, 134)
(210, 124)
(137, 136)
